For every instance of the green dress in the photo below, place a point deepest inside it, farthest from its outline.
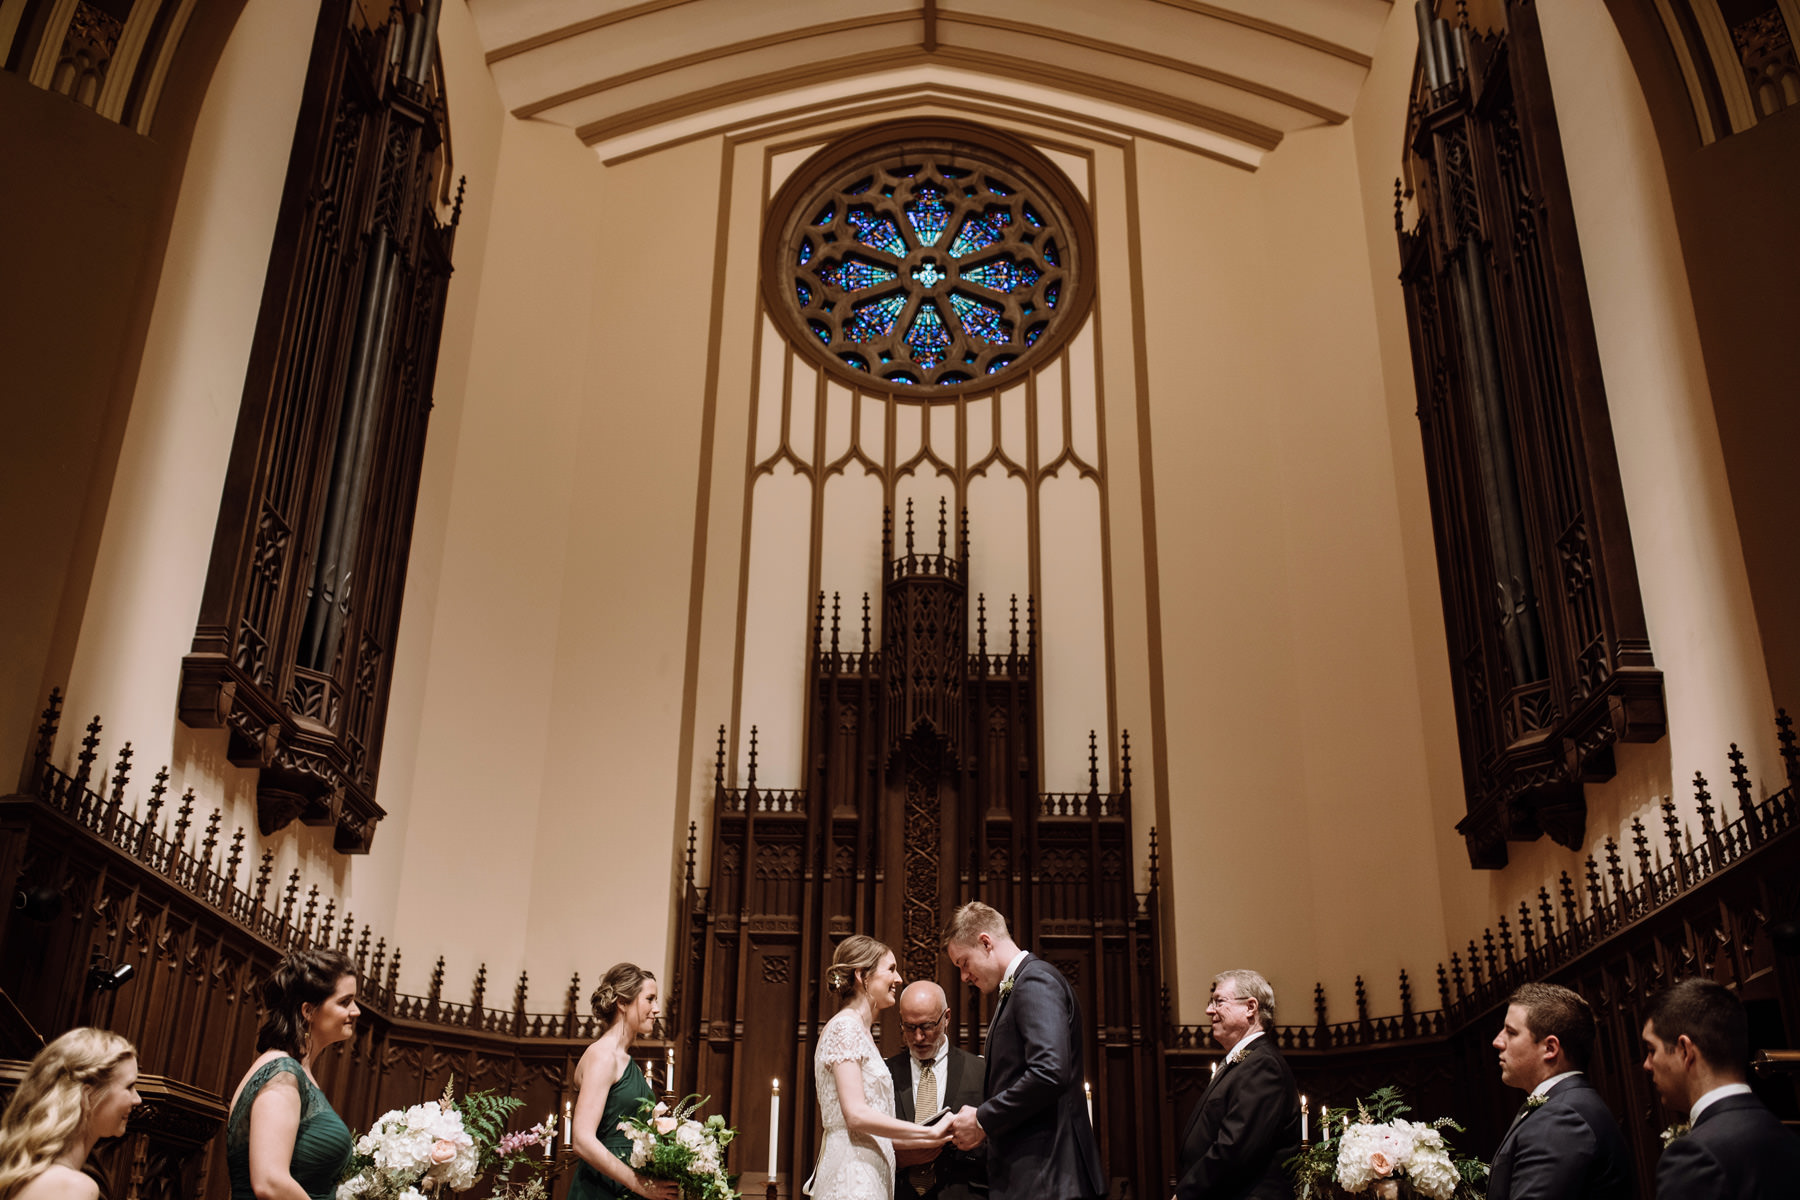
(321, 1144)
(621, 1102)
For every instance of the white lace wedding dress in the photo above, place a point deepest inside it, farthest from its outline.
(852, 1166)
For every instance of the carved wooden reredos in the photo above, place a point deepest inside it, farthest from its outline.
(922, 791)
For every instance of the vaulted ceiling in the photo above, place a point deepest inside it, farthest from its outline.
(1228, 78)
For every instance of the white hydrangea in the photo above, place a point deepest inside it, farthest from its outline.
(691, 1134)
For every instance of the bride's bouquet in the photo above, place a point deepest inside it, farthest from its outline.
(672, 1144)
(444, 1144)
(1382, 1153)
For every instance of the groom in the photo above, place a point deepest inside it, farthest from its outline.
(1041, 1144)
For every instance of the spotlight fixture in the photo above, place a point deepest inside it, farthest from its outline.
(102, 977)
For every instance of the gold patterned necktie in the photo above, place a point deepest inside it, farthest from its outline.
(928, 1097)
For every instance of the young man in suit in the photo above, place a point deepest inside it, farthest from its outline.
(1697, 1048)
(930, 1075)
(1564, 1142)
(1247, 1121)
(1034, 1119)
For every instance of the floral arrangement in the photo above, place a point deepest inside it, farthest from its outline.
(673, 1144)
(443, 1144)
(1380, 1150)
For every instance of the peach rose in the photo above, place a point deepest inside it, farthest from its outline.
(666, 1125)
(442, 1151)
(1380, 1163)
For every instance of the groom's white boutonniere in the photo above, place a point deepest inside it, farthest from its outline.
(1005, 987)
(1677, 1130)
(1537, 1101)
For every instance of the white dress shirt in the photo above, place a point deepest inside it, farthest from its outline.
(1544, 1087)
(1237, 1052)
(1718, 1093)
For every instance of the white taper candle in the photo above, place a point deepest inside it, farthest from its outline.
(774, 1126)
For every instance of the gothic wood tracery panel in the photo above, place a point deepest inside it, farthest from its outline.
(293, 650)
(1549, 653)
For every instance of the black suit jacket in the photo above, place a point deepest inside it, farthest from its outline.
(1737, 1150)
(1568, 1148)
(1244, 1127)
(1040, 1143)
(958, 1174)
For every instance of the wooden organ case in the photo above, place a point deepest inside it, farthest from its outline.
(922, 793)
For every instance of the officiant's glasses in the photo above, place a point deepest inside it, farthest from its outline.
(924, 1026)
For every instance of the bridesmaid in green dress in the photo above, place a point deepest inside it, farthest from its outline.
(283, 1140)
(609, 1086)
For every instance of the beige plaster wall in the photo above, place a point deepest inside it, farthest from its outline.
(1296, 757)
(476, 121)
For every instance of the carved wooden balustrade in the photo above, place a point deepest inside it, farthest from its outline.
(95, 885)
(1722, 901)
(97, 881)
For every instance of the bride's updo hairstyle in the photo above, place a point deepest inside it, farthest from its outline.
(620, 985)
(302, 977)
(50, 1106)
(856, 956)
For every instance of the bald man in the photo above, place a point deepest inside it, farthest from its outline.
(931, 1067)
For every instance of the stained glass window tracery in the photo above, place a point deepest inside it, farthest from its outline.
(932, 262)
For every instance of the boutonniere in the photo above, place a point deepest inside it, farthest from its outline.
(1537, 1101)
(1678, 1129)
(1005, 987)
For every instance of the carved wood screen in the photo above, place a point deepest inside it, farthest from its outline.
(293, 650)
(921, 794)
(1549, 653)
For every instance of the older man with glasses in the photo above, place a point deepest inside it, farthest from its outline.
(931, 1075)
(1246, 1123)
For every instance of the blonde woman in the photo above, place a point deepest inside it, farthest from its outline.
(79, 1089)
(856, 1089)
(283, 1140)
(610, 1087)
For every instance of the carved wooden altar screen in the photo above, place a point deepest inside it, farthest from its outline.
(922, 793)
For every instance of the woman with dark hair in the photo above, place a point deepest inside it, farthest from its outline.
(856, 1089)
(284, 1141)
(610, 1087)
(79, 1089)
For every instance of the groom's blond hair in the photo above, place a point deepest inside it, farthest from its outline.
(971, 921)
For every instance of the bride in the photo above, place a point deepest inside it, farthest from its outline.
(856, 1090)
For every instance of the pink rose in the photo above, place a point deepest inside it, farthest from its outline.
(1380, 1163)
(666, 1125)
(442, 1151)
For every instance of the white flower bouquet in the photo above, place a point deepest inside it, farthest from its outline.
(444, 1144)
(1382, 1153)
(674, 1145)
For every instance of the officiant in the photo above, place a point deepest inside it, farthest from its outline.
(931, 1075)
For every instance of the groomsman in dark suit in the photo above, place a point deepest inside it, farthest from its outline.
(1564, 1143)
(1034, 1119)
(930, 1075)
(1247, 1122)
(1697, 1049)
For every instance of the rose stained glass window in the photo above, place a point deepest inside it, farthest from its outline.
(938, 259)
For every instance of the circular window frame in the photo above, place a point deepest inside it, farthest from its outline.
(826, 173)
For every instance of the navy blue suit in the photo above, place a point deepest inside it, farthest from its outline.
(1568, 1148)
(1243, 1128)
(1040, 1143)
(1737, 1150)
